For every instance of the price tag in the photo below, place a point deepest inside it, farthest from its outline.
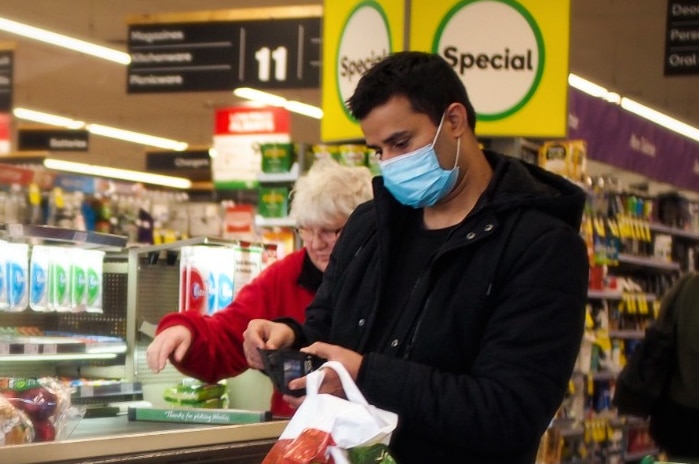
(15, 230)
(31, 348)
(126, 388)
(50, 348)
(4, 349)
(87, 390)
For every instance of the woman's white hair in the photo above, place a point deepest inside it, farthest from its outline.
(328, 193)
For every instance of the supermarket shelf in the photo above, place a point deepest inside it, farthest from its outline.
(56, 348)
(59, 234)
(627, 334)
(279, 177)
(56, 357)
(651, 263)
(108, 390)
(175, 246)
(674, 231)
(274, 222)
(617, 295)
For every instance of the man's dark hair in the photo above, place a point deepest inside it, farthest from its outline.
(425, 79)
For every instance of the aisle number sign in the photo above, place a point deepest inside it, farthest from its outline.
(277, 48)
(356, 35)
(511, 55)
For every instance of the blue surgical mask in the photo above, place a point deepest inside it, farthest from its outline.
(416, 179)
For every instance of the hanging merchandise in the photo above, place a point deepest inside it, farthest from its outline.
(206, 278)
(39, 278)
(567, 158)
(16, 275)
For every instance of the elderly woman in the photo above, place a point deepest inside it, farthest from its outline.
(210, 348)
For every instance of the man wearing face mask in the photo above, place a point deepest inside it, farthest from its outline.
(456, 298)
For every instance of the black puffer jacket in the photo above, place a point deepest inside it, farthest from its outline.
(482, 355)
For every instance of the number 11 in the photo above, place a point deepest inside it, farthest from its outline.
(264, 59)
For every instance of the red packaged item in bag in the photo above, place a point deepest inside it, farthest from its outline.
(310, 447)
(325, 427)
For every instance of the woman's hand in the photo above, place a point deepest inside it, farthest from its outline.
(174, 341)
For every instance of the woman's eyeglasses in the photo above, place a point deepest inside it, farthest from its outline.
(327, 235)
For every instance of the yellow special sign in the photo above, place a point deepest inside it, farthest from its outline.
(356, 34)
(511, 55)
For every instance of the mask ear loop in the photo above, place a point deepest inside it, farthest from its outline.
(439, 129)
(458, 152)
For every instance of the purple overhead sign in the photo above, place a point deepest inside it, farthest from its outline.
(622, 139)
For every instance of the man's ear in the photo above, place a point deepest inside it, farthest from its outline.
(456, 119)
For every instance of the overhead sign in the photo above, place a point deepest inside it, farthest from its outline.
(16, 175)
(239, 131)
(276, 53)
(191, 164)
(682, 38)
(512, 56)
(619, 138)
(6, 67)
(52, 140)
(356, 34)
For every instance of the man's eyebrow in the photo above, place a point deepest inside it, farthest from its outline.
(391, 139)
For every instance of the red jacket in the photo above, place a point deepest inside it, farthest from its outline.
(284, 289)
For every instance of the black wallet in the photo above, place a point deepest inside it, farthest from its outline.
(282, 366)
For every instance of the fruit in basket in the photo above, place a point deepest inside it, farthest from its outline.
(44, 430)
(38, 402)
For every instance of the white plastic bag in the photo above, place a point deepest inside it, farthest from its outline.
(326, 425)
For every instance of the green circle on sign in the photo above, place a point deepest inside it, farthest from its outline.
(539, 42)
(366, 4)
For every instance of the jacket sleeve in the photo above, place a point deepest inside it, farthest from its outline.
(217, 343)
(529, 346)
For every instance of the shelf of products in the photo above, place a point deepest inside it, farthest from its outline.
(48, 335)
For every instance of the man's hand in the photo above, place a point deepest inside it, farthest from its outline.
(264, 334)
(175, 339)
(331, 382)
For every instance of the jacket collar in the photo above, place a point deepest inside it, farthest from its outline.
(311, 277)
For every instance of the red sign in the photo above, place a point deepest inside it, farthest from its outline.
(13, 175)
(252, 120)
(4, 133)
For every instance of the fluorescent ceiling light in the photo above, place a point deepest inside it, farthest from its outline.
(660, 118)
(136, 137)
(634, 107)
(259, 96)
(64, 41)
(99, 129)
(276, 100)
(46, 118)
(304, 109)
(593, 89)
(114, 173)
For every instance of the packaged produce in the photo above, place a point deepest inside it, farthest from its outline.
(15, 426)
(46, 405)
(196, 394)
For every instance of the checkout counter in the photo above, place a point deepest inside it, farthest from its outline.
(118, 440)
